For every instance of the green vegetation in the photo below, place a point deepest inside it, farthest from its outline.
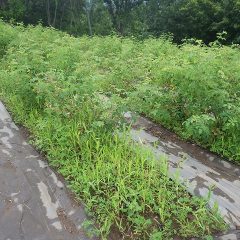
(200, 19)
(192, 89)
(56, 85)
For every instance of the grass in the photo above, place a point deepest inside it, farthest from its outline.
(53, 84)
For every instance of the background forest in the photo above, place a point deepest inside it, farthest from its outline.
(200, 19)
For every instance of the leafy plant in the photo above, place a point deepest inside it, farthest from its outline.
(56, 85)
(200, 127)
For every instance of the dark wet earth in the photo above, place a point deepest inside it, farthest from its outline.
(34, 203)
(198, 169)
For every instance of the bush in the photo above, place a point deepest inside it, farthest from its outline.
(56, 85)
(7, 34)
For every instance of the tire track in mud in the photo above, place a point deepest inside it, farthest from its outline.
(34, 202)
(199, 169)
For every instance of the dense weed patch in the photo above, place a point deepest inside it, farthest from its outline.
(54, 84)
(192, 89)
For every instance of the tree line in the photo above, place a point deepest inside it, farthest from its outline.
(200, 19)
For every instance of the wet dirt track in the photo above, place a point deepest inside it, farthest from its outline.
(198, 169)
(34, 203)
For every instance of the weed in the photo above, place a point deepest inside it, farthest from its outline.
(54, 84)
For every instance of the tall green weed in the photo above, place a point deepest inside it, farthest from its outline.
(56, 85)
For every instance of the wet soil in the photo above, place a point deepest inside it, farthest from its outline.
(199, 169)
(34, 201)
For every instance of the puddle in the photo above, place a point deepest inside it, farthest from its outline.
(42, 164)
(56, 181)
(8, 134)
(6, 152)
(51, 207)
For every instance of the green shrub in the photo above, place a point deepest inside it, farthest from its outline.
(56, 85)
(7, 34)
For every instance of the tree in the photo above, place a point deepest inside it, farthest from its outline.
(201, 19)
(12, 9)
(184, 19)
(230, 20)
(89, 5)
(101, 19)
(120, 11)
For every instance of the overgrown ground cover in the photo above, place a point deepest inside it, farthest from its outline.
(55, 85)
(192, 89)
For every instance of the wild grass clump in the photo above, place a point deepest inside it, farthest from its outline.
(55, 85)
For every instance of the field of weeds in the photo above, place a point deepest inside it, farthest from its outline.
(55, 85)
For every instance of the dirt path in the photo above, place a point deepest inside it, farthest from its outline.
(34, 203)
(198, 168)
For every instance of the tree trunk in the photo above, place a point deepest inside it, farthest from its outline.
(3, 3)
(55, 13)
(72, 15)
(48, 13)
(62, 15)
(89, 22)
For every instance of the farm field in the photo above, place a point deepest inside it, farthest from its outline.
(55, 85)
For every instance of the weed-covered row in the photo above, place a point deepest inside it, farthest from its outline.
(192, 89)
(55, 85)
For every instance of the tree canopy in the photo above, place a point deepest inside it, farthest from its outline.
(200, 19)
